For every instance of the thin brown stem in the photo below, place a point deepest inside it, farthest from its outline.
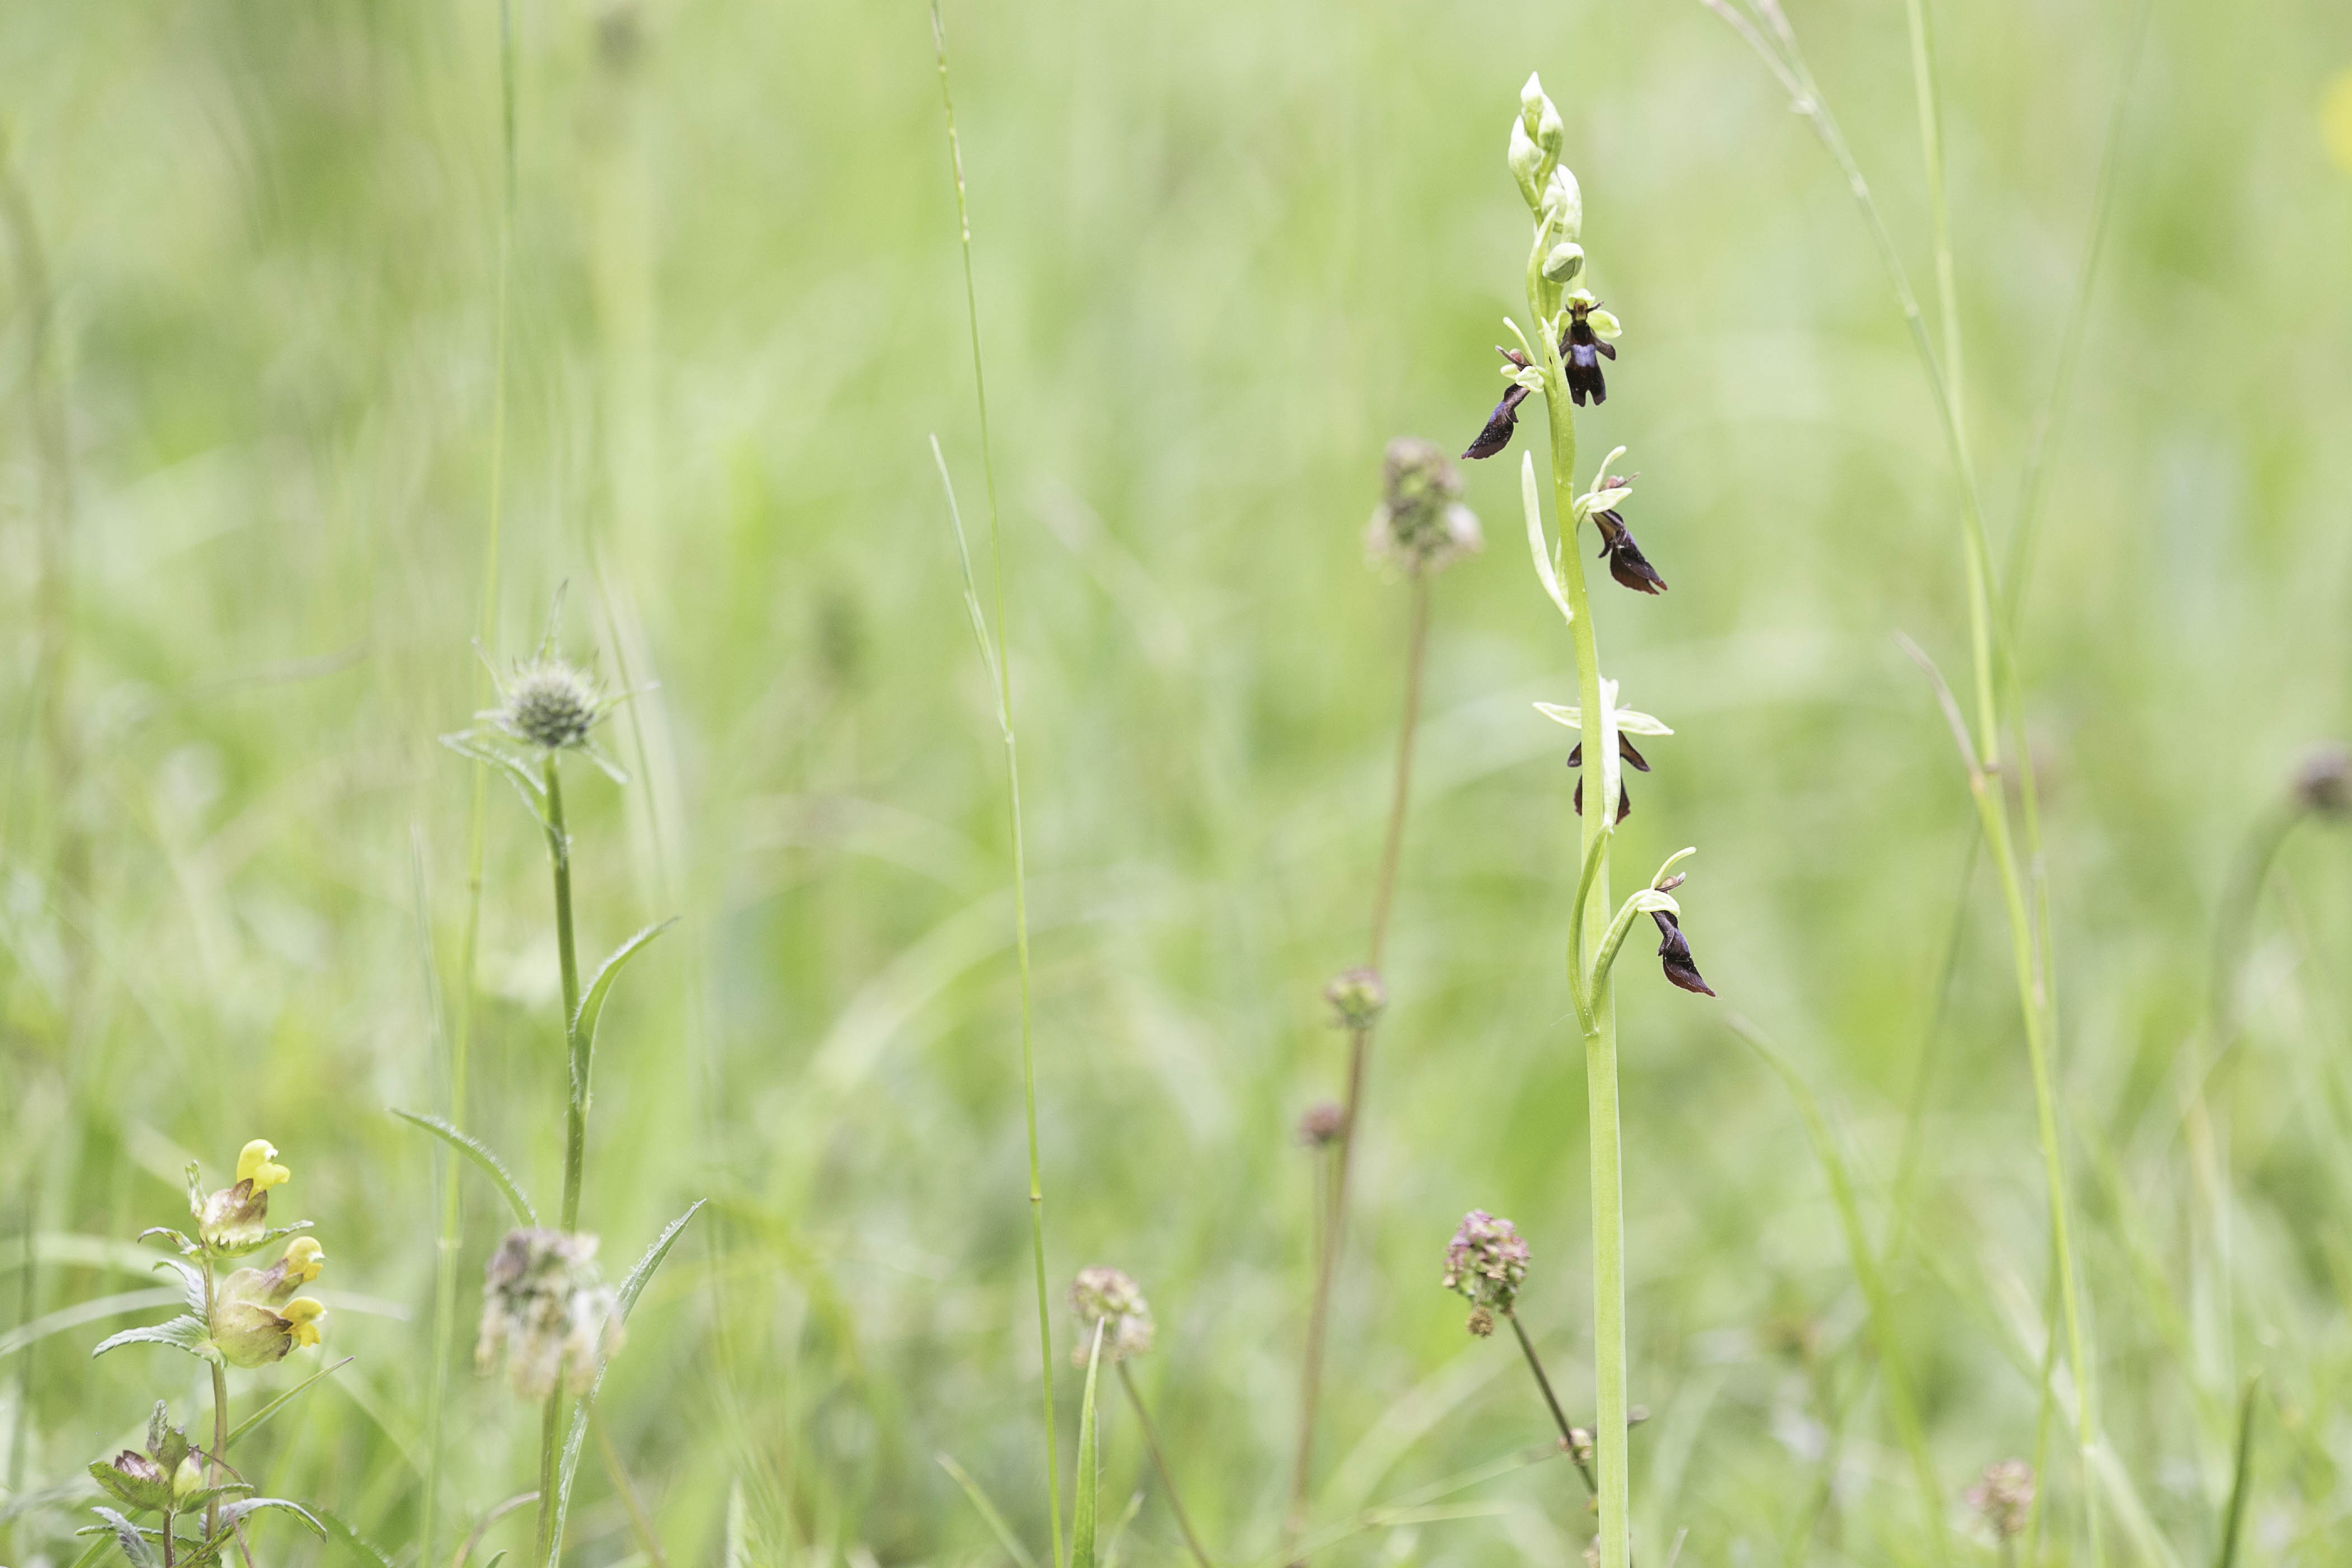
(1551, 1403)
(1359, 1041)
(1159, 1464)
(474, 1537)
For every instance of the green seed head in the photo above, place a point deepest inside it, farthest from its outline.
(551, 705)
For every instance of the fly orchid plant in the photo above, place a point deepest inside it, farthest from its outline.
(1563, 360)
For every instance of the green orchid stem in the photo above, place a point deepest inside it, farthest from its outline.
(1598, 1017)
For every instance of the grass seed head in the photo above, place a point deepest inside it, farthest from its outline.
(2004, 1498)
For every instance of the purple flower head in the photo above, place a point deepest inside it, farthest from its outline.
(1486, 1264)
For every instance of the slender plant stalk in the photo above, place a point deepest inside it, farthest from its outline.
(1612, 1451)
(1159, 1464)
(575, 1120)
(461, 1023)
(638, 1519)
(551, 1444)
(1004, 672)
(1995, 676)
(576, 1041)
(1551, 1403)
(1333, 1222)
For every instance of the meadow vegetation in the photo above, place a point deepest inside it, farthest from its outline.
(338, 342)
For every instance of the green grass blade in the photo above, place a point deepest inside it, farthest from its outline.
(275, 1405)
(1089, 1477)
(2234, 1521)
(479, 1152)
(989, 1511)
(1901, 1406)
(591, 1004)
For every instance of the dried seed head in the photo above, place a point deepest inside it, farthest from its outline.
(1109, 1297)
(547, 1313)
(2004, 1497)
(1357, 997)
(1485, 1262)
(1322, 1123)
(2324, 783)
(1421, 526)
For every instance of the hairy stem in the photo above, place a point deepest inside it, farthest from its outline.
(575, 1123)
(1012, 774)
(1159, 1464)
(575, 1126)
(1334, 1219)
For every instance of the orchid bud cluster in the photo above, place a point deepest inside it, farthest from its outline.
(547, 1314)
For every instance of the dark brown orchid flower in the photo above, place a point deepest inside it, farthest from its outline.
(1504, 419)
(1674, 948)
(1624, 798)
(1626, 562)
(1581, 352)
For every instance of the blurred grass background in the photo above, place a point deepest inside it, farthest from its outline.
(1225, 252)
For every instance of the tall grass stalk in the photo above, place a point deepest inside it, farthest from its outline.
(59, 745)
(1332, 1222)
(461, 1022)
(1002, 669)
(1993, 667)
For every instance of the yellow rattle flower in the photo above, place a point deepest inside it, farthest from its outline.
(303, 1315)
(257, 1163)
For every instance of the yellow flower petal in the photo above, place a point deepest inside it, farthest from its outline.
(303, 1315)
(2336, 119)
(304, 1257)
(255, 1164)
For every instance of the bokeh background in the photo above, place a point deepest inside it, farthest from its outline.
(1224, 251)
